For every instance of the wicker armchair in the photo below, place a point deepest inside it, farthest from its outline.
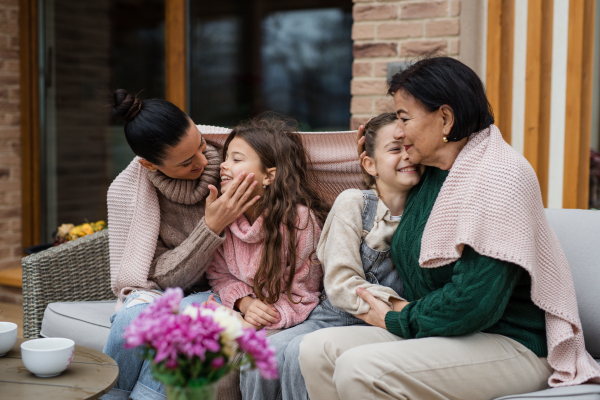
(74, 271)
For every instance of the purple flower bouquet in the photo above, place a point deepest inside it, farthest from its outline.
(197, 346)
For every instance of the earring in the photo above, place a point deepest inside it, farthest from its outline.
(445, 139)
(264, 186)
(376, 176)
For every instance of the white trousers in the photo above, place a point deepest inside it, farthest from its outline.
(365, 362)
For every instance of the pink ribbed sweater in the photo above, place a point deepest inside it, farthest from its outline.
(491, 202)
(235, 263)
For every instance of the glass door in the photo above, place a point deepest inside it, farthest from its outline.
(88, 49)
(292, 57)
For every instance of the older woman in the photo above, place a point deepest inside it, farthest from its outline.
(490, 307)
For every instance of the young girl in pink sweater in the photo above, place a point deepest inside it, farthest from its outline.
(265, 267)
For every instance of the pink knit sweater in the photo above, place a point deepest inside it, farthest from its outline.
(491, 202)
(234, 265)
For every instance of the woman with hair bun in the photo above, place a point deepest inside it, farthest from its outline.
(165, 222)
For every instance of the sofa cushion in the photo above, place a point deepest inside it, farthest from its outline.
(579, 392)
(579, 234)
(85, 322)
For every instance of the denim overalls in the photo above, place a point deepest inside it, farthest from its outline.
(378, 268)
(377, 264)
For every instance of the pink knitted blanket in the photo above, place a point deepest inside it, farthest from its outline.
(134, 213)
(491, 202)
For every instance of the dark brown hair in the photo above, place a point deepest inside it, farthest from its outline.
(438, 81)
(371, 130)
(278, 144)
(152, 126)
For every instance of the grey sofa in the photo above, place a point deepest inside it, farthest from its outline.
(81, 269)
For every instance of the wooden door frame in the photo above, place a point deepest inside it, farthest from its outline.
(499, 63)
(30, 123)
(176, 52)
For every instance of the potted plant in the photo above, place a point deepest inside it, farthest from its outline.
(191, 349)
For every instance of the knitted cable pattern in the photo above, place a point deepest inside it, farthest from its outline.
(491, 202)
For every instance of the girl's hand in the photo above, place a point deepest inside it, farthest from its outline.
(245, 324)
(376, 314)
(211, 299)
(222, 211)
(256, 312)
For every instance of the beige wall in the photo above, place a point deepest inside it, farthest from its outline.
(10, 134)
(388, 31)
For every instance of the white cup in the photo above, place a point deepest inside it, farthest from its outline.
(47, 357)
(8, 337)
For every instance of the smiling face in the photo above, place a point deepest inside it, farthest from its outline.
(185, 160)
(420, 130)
(242, 157)
(391, 163)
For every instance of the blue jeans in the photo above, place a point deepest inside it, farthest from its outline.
(287, 342)
(135, 376)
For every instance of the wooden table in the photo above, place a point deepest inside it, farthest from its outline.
(90, 375)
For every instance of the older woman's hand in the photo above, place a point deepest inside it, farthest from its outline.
(376, 314)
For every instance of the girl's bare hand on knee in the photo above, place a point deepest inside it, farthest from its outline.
(222, 211)
(257, 312)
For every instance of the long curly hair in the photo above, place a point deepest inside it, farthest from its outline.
(279, 146)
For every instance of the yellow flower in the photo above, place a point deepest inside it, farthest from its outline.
(87, 229)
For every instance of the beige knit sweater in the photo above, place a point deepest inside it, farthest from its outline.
(157, 234)
(185, 244)
(339, 251)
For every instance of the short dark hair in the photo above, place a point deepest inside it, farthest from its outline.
(436, 81)
(151, 126)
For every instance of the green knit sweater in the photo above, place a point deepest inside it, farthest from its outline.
(473, 294)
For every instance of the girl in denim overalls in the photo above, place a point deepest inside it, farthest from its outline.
(354, 251)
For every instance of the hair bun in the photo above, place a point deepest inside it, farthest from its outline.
(125, 105)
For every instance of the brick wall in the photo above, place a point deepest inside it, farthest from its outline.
(10, 136)
(388, 31)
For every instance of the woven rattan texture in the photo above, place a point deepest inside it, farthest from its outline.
(74, 271)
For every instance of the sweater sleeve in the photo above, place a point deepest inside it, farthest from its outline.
(183, 265)
(228, 287)
(474, 300)
(305, 289)
(339, 253)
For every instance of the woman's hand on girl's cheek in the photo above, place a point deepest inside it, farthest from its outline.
(222, 211)
(376, 314)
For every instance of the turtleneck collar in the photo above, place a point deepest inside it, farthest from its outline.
(247, 233)
(189, 191)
